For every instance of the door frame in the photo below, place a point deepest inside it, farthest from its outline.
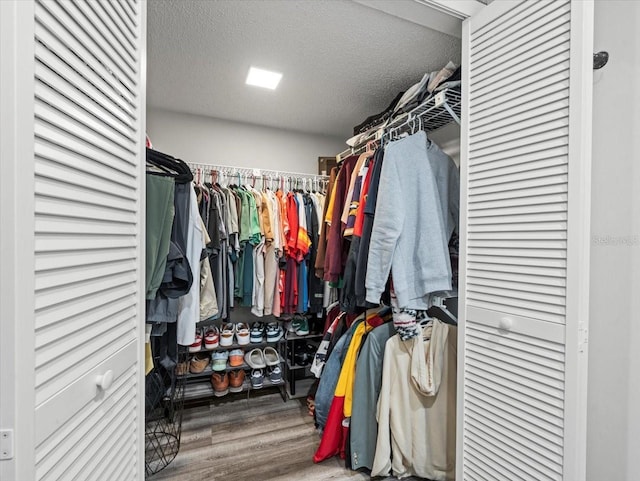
(17, 239)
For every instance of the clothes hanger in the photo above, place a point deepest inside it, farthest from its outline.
(439, 310)
(169, 166)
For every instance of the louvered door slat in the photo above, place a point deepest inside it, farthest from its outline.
(528, 98)
(74, 120)
(520, 228)
(499, 24)
(88, 176)
(514, 195)
(111, 32)
(103, 58)
(124, 15)
(56, 163)
(60, 260)
(128, 6)
(102, 37)
(54, 332)
(542, 110)
(540, 161)
(474, 471)
(524, 28)
(58, 314)
(55, 54)
(533, 87)
(71, 149)
(81, 90)
(518, 133)
(526, 47)
(123, 28)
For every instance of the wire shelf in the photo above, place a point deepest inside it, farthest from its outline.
(434, 113)
(437, 111)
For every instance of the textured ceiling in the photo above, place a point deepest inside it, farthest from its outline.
(341, 61)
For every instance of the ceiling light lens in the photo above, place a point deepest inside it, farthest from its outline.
(263, 78)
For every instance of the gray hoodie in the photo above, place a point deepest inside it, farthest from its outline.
(416, 212)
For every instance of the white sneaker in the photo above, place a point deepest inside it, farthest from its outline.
(227, 334)
(242, 333)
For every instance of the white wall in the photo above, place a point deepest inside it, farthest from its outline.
(448, 139)
(613, 441)
(205, 140)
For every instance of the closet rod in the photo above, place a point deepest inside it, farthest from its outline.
(232, 170)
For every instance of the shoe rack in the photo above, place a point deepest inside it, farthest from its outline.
(298, 377)
(198, 385)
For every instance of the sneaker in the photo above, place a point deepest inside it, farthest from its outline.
(236, 380)
(274, 332)
(288, 326)
(227, 334)
(220, 360)
(242, 333)
(275, 374)
(197, 343)
(303, 327)
(220, 383)
(211, 338)
(295, 324)
(271, 356)
(257, 378)
(257, 332)
(236, 358)
(255, 359)
(199, 363)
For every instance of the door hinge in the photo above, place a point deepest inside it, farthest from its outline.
(583, 337)
(6, 444)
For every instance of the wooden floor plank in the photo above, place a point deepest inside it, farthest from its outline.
(263, 439)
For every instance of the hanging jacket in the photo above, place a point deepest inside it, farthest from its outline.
(363, 430)
(364, 226)
(208, 297)
(336, 256)
(334, 436)
(417, 406)
(331, 373)
(324, 227)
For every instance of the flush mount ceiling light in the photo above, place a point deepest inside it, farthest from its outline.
(263, 78)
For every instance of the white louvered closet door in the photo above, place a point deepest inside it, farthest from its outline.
(88, 176)
(525, 232)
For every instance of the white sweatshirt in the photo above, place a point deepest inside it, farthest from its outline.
(417, 406)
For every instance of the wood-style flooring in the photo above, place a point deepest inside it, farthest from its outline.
(261, 439)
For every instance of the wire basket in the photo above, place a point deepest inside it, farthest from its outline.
(164, 396)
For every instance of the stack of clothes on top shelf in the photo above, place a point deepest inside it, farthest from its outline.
(429, 85)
